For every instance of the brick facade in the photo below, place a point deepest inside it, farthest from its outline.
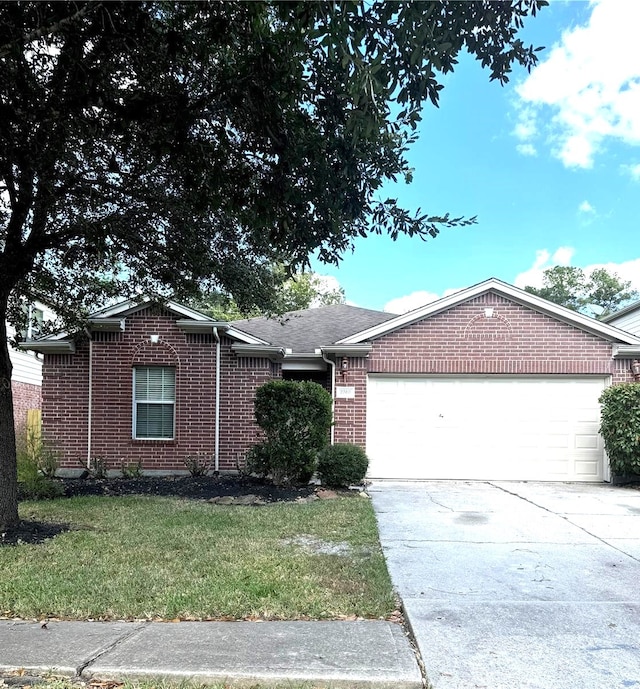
(486, 335)
(514, 340)
(108, 433)
(25, 397)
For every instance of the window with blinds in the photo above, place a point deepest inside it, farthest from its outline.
(154, 395)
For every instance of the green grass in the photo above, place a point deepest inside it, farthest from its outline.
(146, 558)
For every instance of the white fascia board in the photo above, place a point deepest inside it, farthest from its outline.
(259, 351)
(188, 312)
(122, 307)
(244, 337)
(113, 325)
(49, 346)
(504, 289)
(626, 351)
(356, 350)
(303, 361)
(125, 308)
(188, 325)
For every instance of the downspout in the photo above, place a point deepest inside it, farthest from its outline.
(90, 402)
(333, 394)
(216, 451)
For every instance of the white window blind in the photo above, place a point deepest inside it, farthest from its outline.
(154, 402)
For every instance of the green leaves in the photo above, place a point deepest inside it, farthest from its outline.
(620, 427)
(598, 294)
(296, 418)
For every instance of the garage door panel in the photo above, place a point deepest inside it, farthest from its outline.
(485, 428)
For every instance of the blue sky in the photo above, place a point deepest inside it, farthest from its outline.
(550, 164)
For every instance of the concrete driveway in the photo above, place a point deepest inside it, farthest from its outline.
(517, 585)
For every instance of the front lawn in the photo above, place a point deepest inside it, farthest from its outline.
(139, 557)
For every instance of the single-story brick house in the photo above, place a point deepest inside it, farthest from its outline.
(488, 383)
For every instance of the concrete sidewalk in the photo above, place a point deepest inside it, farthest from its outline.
(363, 653)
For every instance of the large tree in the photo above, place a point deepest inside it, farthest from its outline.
(598, 293)
(168, 147)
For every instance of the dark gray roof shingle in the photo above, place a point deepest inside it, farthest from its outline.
(305, 331)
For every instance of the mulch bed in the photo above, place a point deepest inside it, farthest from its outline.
(197, 488)
(187, 487)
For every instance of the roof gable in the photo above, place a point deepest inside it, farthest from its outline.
(114, 318)
(506, 290)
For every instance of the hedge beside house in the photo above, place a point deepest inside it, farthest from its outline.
(620, 429)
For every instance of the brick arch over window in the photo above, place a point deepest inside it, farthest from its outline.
(161, 353)
(488, 327)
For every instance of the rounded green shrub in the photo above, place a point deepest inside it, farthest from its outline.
(342, 465)
(620, 427)
(296, 419)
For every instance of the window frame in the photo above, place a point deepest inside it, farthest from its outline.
(147, 401)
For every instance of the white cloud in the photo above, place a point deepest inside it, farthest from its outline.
(586, 207)
(415, 300)
(587, 90)
(543, 260)
(626, 270)
(324, 285)
(527, 149)
(633, 171)
(410, 302)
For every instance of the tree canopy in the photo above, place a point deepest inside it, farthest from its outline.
(598, 293)
(301, 291)
(170, 147)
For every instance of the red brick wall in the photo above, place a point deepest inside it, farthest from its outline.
(241, 377)
(114, 355)
(515, 340)
(25, 397)
(348, 414)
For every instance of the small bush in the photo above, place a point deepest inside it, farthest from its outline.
(198, 465)
(40, 452)
(342, 465)
(296, 419)
(97, 467)
(131, 470)
(620, 427)
(32, 484)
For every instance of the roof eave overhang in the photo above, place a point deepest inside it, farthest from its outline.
(622, 312)
(515, 294)
(259, 351)
(110, 325)
(355, 350)
(49, 346)
(626, 351)
(190, 326)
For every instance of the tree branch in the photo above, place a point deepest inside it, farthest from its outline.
(48, 30)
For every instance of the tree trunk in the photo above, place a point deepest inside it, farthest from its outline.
(8, 468)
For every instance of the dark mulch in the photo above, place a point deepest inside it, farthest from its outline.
(188, 487)
(32, 533)
(197, 488)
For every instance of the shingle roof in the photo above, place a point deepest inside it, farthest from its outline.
(305, 331)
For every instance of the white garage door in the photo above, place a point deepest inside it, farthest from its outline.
(497, 428)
